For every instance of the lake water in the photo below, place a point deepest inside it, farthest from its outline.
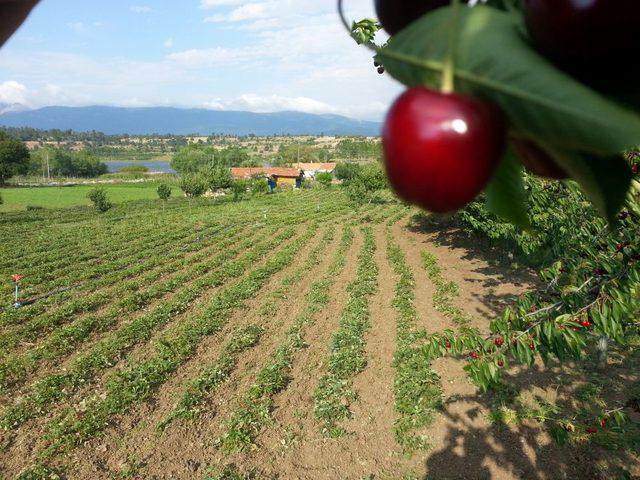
(115, 166)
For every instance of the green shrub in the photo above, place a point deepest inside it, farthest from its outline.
(369, 180)
(239, 189)
(258, 185)
(217, 177)
(164, 192)
(325, 179)
(193, 185)
(98, 197)
(347, 172)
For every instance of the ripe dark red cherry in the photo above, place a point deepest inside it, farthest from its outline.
(585, 34)
(441, 150)
(537, 161)
(499, 341)
(397, 14)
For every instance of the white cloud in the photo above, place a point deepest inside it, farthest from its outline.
(198, 58)
(249, 11)
(140, 9)
(206, 4)
(12, 92)
(272, 103)
(295, 56)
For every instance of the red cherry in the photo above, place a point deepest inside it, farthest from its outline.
(586, 323)
(397, 14)
(532, 347)
(474, 355)
(579, 34)
(500, 363)
(537, 161)
(603, 422)
(592, 430)
(499, 341)
(448, 344)
(635, 168)
(441, 150)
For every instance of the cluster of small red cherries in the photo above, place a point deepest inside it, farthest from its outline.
(442, 149)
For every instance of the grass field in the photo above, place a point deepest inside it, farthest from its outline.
(16, 199)
(277, 337)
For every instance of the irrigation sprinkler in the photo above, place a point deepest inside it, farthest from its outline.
(16, 280)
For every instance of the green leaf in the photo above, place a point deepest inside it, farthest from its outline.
(606, 181)
(506, 196)
(495, 62)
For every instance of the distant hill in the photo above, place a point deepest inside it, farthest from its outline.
(179, 121)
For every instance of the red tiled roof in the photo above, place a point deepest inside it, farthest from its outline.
(252, 172)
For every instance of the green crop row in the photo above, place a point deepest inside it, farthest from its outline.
(254, 412)
(212, 377)
(140, 379)
(417, 388)
(347, 352)
(108, 351)
(446, 291)
(65, 340)
(153, 270)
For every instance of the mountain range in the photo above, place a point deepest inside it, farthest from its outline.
(184, 121)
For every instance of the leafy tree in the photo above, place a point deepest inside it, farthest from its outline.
(193, 185)
(370, 180)
(324, 179)
(217, 177)
(290, 154)
(192, 158)
(258, 185)
(239, 189)
(100, 200)
(14, 157)
(233, 156)
(164, 192)
(77, 164)
(358, 149)
(347, 172)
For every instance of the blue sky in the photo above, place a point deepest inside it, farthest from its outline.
(260, 55)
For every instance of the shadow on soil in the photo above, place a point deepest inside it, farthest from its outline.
(523, 451)
(499, 265)
(502, 451)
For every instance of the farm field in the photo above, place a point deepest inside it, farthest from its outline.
(277, 337)
(16, 199)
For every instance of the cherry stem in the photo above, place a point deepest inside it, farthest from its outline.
(449, 66)
(343, 17)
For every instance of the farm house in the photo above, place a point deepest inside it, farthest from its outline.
(291, 177)
(310, 170)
